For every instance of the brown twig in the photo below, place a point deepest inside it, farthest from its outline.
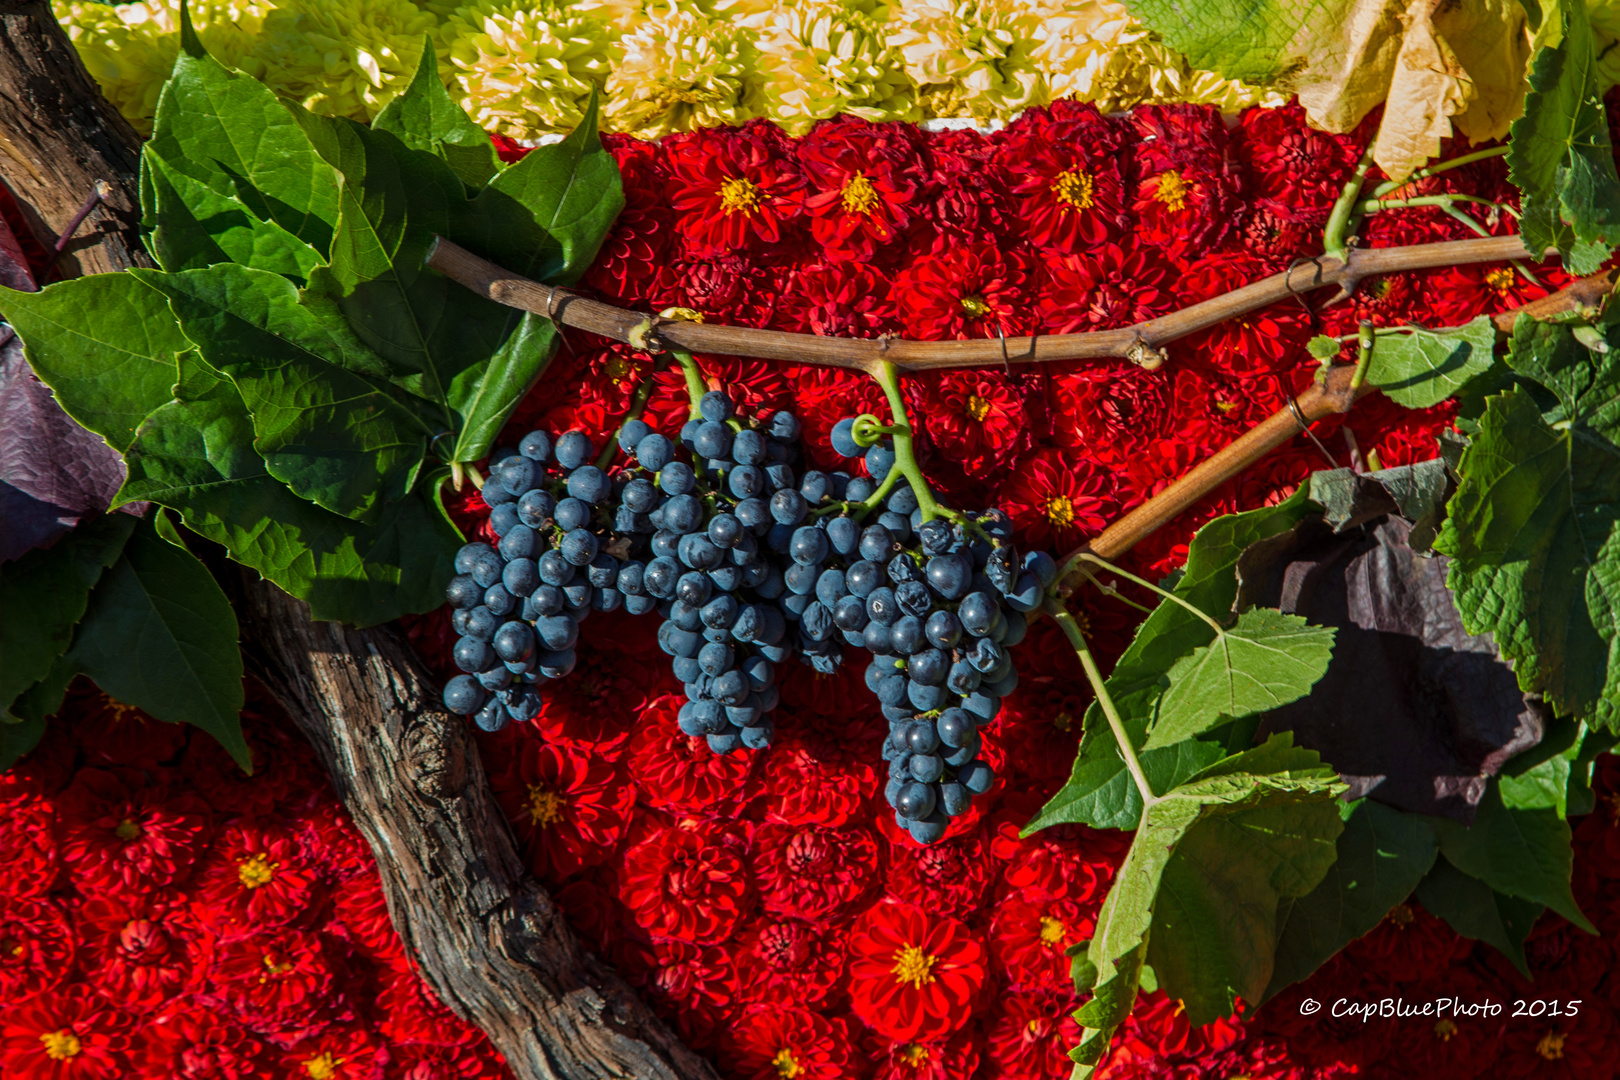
(1139, 343)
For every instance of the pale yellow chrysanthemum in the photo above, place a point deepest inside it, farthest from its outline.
(681, 70)
(820, 59)
(524, 69)
(344, 57)
(1605, 18)
(130, 49)
(969, 58)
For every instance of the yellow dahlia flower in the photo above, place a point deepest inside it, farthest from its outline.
(969, 58)
(523, 68)
(343, 57)
(821, 59)
(681, 70)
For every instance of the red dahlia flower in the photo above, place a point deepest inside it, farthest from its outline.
(827, 395)
(192, 1042)
(860, 187)
(1267, 340)
(1274, 238)
(568, 805)
(1056, 501)
(36, 948)
(281, 765)
(938, 1059)
(966, 192)
(731, 289)
(72, 1035)
(1301, 169)
(1113, 410)
(1158, 1028)
(113, 733)
(634, 252)
(693, 985)
(1028, 940)
(690, 884)
(1430, 1046)
(1408, 944)
(787, 961)
(141, 952)
(258, 876)
(1030, 1036)
(838, 300)
(777, 1043)
(953, 876)
(813, 873)
(1065, 178)
(27, 843)
(278, 982)
(963, 291)
(1065, 862)
(592, 709)
(345, 1053)
(976, 419)
(1188, 198)
(913, 976)
(819, 775)
(1459, 293)
(1105, 289)
(676, 771)
(412, 1014)
(125, 833)
(734, 190)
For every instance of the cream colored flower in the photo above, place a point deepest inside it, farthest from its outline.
(970, 57)
(681, 70)
(525, 69)
(1606, 29)
(821, 59)
(344, 57)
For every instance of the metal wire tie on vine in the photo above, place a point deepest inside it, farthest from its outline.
(1299, 418)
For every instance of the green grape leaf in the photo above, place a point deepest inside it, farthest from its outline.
(425, 117)
(232, 134)
(1476, 911)
(1580, 799)
(1324, 347)
(1559, 155)
(43, 596)
(1382, 855)
(195, 455)
(326, 423)
(17, 739)
(1523, 853)
(160, 635)
(106, 345)
(1532, 530)
(1544, 786)
(1419, 368)
(1264, 660)
(195, 226)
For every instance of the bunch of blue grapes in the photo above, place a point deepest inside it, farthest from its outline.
(749, 562)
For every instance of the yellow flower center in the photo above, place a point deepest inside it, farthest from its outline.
(914, 1056)
(1052, 931)
(545, 806)
(978, 408)
(1551, 1046)
(257, 871)
(10, 946)
(619, 369)
(1063, 721)
(127, 830)
(787, 1067)
(1226, 406)
(323, 1067)
(1059, 511)
(974, 307)
(1172, 191)
(1074, 187)
(1401, 915)
(274, 968)
(61, 1045)
(912, 965)
(738, 193)
(1500, 280)
(859, 195)
(1444, 1030)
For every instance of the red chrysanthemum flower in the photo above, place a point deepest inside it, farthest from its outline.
(193, 1042)
(278, 982)
(838, 300)
(1056, 502)
(1267, 340)
(786, 1044)
(1030, 1036)
(1064, 862)
(676, 771)
(817, 774)
(140, 951)
(568, 805)
(345, 1053)
(953, 876)
(825, 396)
(258, 876)
(1408, 944)
(1113, 411)
(965, 195)
(634, 252)
(693, 985)
(813, 873)
(688, 883)
(1449, 1045)
(939, 1059)
(412, 1014)
(1276, 239)
(1301, 169)
(975, 419)
(1065, 178)
(731, 289)
(1105, 289)
(113, 733)
(27, 843)
(37, 944)
(1028, 940)
(1459, 293)
(282, 766)
(733, 190)
(123, 832)
(72, 1035)
(913, 976)
(593, 909)
(1187, 200)
(593, 708)
(1158, 1028)
(860, 186)
(787, 961)
(964, 290)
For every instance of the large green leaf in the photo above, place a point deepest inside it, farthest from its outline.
(1531, 531)
(105, 345)
(1475, 910)
(160, 635)
(1560, 156)
(425, 117)
(17, 739)
(1419, 368)
(1382, 855)
(195, 455)
(1265, 660)
(43, 596)
(325, 419)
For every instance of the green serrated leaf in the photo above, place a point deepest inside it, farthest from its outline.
(1382, 855)
(160, 635)
(43, 596)
(1419, 368)
(43, 700)
(1559, 154)
(195, 454)
(325, 422)
(18, 739)
(1544, 786)
(106, 345)
(1265, 660)
(425, 117)
(1474, 910)
(1324, 347)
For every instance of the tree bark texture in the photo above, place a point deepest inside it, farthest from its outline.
(487, 937)
(58, 137)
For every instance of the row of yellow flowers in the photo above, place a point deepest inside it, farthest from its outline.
(524, 68)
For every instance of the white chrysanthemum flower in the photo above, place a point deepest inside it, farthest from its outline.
(822, 59)
(344, 57)
(525, 69)
(969, 57)
(681, 70)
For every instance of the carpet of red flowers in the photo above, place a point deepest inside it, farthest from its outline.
(163, 916)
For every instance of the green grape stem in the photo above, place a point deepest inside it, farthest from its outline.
(905, 457)
(638, 405)
(1127, 750)
(695, 386)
